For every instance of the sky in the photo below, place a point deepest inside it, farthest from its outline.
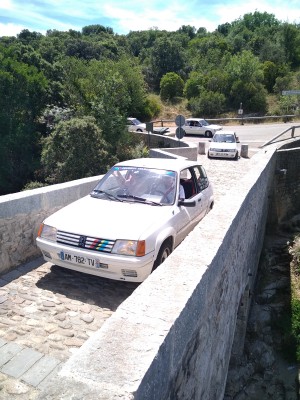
(124, 16)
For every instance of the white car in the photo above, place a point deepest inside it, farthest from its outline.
(134, 125)
(199, 126)
(224, 145)
(132, 220)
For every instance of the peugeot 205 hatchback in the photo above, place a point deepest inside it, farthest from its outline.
(132, 220)
(224, 145)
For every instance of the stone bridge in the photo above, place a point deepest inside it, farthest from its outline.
(174, 336)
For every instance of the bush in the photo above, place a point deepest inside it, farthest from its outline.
(33, 185)
(209, 104)
(75, 149)
(171, 86)
(152, 107)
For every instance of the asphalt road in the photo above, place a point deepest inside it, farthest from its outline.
(255, 135)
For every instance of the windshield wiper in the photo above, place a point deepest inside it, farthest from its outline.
(108, 194)
(139, 199)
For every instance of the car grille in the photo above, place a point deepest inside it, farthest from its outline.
(85, 242)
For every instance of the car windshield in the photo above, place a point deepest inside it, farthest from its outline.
(137, 184)
(204, 123)
(221, 137)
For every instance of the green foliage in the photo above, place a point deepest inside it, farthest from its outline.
(109, 77)
(166, 56)
(131, 146)
(288, 104)
(33, 185)
(23, 95)
(209, 104)
(193, 85)
(74, 150)
(270, 71)
(171, 86)
(153, 106)
(245, 77)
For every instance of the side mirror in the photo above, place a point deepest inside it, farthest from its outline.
(186, 203)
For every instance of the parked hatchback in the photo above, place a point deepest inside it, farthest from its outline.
(132, 220)
(135, 125)
(199, 126)
(224, 145)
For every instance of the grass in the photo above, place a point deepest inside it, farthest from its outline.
(295, 295)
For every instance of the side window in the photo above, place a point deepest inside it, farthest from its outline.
(201, 178)
(187, 182)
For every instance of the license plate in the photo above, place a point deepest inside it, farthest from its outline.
(91, 262)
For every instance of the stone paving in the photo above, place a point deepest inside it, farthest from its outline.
(46, 314)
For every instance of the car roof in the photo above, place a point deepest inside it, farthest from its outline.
(194, 119)
(225, 133)
(159, 163)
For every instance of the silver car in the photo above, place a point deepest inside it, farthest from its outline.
(131, 221)
(134, 125)
(224, 145)
(199, 126)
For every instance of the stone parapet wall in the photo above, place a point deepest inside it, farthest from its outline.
(21, 214)
(161, 141)
(172, 338)
(191, 153)
(287, 182)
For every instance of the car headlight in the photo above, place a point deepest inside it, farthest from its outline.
(213, 149)
(47, 232)
(231, 150)
(129, 247)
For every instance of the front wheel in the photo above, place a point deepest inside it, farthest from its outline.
(163, 254)
(208, 134)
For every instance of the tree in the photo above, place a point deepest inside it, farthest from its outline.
(270, 74)
(74, 150)
(245, 78)
(171, 86)
(166, 56)
(23, 96)
(208, 103)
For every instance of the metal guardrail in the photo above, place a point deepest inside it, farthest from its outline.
(291, 128)
(241, 119)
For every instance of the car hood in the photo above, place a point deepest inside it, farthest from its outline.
(222, 145)
(108, 218)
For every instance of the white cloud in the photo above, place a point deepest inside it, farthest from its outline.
(128, 15)
(10, 29)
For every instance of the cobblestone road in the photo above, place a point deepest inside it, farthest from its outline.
(47, 312)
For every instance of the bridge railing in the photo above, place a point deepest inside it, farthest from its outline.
(292, 130)
(241, 119)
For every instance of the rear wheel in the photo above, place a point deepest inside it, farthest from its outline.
(163, 254)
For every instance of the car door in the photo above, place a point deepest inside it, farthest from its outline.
(188, 126)
(193, 180)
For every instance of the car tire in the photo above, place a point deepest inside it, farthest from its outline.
(236, 156)
(163, 254)
(208, 134)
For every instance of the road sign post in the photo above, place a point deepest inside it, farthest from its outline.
(179, 121)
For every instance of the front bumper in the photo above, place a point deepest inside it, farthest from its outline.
(222, 154)
(106, 265)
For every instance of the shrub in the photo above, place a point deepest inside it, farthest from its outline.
(209, 104)
(171, 86)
